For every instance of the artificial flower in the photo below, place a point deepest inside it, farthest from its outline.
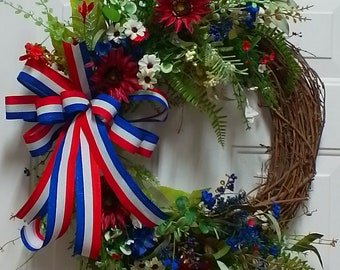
(146, 79)
(262, 68)
(142, 241)
(150, 62)
(84, 9)
(134, 29)
(139, 39)
(154, 264)
(114, 215)
(208, 199)
(115, 33)
(246, 45)
(275, 209)
(138, 265)
(35, 52)
(181, 12)
(115, 75)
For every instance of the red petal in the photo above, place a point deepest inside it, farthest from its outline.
(90, 7)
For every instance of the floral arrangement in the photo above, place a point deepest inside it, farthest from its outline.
(110, 60)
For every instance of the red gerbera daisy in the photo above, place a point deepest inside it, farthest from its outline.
(115, 75)
(181, 12)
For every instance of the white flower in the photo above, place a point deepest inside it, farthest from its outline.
(146, 79)
(190, 55)
(150, 62)
(134, 28)
(115, 33)
(262, 68)
(154, 264)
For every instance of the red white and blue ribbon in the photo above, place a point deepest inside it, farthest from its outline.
(82, 129)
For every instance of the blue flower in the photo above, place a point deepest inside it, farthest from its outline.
(252, 10)
(143, 240)
(233, 243)
(274, 251)
(208, 199)
(214, 33)
(102, 48)
(276, 210)
(173, 263)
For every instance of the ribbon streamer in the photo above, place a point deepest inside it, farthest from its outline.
(84, 128)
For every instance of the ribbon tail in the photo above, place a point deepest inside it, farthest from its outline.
(88, 203)
(39, 196)
(60, 196)
(120, 181)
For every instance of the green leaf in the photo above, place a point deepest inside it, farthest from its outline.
(222, 252)
(232, 34)
(195, 196)
(282, 25)
(111, 13)
(182, 203)
(304, 245)
(172, 194)
(222, 266)
(166, 67)
(130, 8)
(203, 227)
(275, 224)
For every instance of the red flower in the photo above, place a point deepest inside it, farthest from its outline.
(272, 56)
(113, 213)
(35, 52)
(264, 60)
(116, 75)
(246, 45)
(85, 9)
(181, 12)
(250, 222)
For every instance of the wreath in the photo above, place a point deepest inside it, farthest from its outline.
(117, 64)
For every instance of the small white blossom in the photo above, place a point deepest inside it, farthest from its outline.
(115, 33)
(262, 68)
(190, 55)
(134, 28)
(150, 62)
(146, 79)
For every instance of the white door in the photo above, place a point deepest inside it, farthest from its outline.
(188, 156)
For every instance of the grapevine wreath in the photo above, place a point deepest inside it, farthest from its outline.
(116, 63)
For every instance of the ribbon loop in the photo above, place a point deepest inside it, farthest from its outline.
(49, 110)
(105, 107)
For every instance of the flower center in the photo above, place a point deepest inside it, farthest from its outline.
(181, 7)
(114, 75)
(141, 265)
(134, 29)
(116, 33)
(147, 79)
(155, 266)
(149, 65)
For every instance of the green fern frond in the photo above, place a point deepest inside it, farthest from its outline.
(222, 66)
(273, 38)
(190, 92)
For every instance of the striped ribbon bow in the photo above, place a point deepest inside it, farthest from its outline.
(82, 130)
